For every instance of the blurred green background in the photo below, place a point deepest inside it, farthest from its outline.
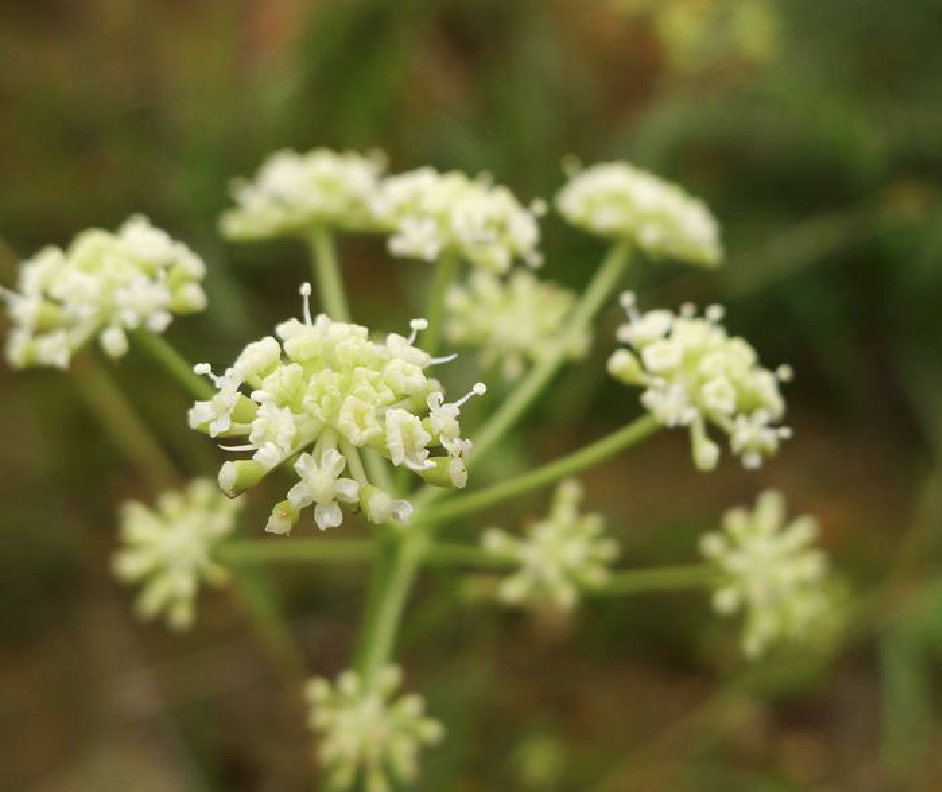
(813, 128)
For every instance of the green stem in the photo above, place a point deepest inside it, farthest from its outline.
(384, 623)
(122, 423)
(569, 465)
(173, 363)
(327, 275)
(639, 581)
(597, 292)
(445, 270)
(262, 551)
(450, 554)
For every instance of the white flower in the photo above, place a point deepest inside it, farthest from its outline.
(695, 375)
(104, 284)
(561, 554)
(513, 320)
(296, 193)
(623, 202)
(320, 394)
(366, 734)
(770, 571)
(431, 214)
(169, 549)
(322, 485)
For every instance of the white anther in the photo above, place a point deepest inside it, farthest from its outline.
(416, 325)
(306, 303)
(784, 373)
(203, 369)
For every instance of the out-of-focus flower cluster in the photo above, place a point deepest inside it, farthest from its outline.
(318, 394)
(168, 549)
(694, 375)
(293, 194)
(700, 33)
(561, 554)
(512, 320)
(769, 570)
(431, 214)
(103, 284)
(619, 201)
(366, 733)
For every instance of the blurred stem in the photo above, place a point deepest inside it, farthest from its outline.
(397, 580)
(327, 275)
(264, 611)
(445, 270)
(448, 554)
(568, 465)
(261, 551)
(173, 363)
(119, 420)
(638, 581)
(597, 292)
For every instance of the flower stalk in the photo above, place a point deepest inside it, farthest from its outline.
(327, 275)
(569, 465)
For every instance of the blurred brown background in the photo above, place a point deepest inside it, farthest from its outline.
(811, 127)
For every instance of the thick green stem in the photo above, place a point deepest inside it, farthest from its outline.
(569, 465)
(445, 270)
(639, 581)
(262, 551)
(597, 292)
(173, 363)
(123, 425)
(327, 275)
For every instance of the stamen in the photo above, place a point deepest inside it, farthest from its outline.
(630, 305)
(479, 389)
(238, 448)
(784, 373)
(306, 303)
(715, 313)
(416, 325)
(436, 361)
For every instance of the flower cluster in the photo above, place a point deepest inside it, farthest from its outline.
(295, 193)
(769, 570)
(366, 733)
(694, 374)
(620, 201)
(563, 553)
(432, 214)
(513, 320)
(169, 549)
(318, 395)
(103, 284)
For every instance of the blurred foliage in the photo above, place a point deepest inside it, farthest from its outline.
(812, 128)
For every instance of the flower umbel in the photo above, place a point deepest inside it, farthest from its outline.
(562, 553)
(623, 202)
(694, 374)
(169, 549)
(513, 320)
(295, 193)
(318, 395)
(366, 733)
(769, 570)
(103, 284)
(431, 214)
